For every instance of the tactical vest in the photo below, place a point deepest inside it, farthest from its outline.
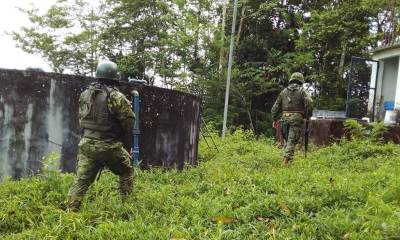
(293, 99)
(95, 118)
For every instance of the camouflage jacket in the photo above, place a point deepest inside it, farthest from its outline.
(105, 113)
(292, 98)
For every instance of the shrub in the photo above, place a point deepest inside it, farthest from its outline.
(373, 132)
(354, 128)
(378, 129)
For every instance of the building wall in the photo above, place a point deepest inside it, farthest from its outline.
(386, 85)
(389, 80)
(39, 114)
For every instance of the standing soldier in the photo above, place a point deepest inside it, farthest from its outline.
(292, 105)
(106, 120)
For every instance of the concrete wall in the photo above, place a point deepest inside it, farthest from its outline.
(388, 85)
(39, 114)
(322, 132)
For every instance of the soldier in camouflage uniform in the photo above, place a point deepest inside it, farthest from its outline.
(292, 106)
(106, 120)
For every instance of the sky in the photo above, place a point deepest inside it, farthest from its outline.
(11, 19)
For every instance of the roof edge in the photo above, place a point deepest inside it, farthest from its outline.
(386, 47)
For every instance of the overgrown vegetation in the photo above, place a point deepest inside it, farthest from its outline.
(356, 130)
(349, 190)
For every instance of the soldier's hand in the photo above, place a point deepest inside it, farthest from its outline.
(275, 124)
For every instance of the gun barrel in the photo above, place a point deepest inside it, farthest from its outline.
(306, 132)
(134, 80)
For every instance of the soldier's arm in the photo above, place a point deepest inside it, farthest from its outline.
(80, 109)
(308, 104)
(121, 109)
(85, 104)
(277, 108)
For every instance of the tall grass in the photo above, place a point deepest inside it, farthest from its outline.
(350, 190)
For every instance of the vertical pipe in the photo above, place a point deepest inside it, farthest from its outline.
(136, 129)
(228, 79)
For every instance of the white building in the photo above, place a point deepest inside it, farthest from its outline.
(386, 78)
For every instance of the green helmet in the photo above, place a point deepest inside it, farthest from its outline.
(107, 70)
(297, 77)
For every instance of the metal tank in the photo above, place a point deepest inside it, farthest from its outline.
(39, 115)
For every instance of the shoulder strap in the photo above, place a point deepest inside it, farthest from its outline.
(108, 91)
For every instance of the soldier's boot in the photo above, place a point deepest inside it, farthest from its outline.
(125, 185)
(286, 161)
(77, 192)
(73, 204)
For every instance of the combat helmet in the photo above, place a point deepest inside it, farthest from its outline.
(107, 70)
(297, 78)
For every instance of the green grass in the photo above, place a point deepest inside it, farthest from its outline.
(350, 190)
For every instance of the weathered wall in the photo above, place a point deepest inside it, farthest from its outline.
(321, 131)
(389, 82)
(38, 114)
(392, 135)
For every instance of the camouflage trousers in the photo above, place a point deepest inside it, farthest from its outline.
(292, 127)
(93, 156)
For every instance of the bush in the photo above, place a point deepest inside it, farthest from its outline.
(378, 129)
(354, 128)
(373, 132)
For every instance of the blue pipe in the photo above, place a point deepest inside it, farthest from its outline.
(136, 128)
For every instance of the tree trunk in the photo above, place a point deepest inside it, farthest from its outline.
(248, 110)
(341, 66)
(197, 36)
(221, 51)
(240, 26)
(250, 120)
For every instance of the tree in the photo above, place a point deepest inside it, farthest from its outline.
(329, 38)
(67, 35)
(181, 44)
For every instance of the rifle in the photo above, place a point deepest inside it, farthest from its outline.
(279, 132)
(284, 132)
(99, 174)
(306, 132)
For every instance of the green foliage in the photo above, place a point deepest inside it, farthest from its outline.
(67, 35)
(378, 129)
(330, 37)
(182, 44)
(354, 128)
(50, 162)
(346, 191)
(357, 130)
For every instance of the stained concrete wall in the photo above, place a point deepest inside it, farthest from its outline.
(39, 114)
(321, 132)
(389, 81)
